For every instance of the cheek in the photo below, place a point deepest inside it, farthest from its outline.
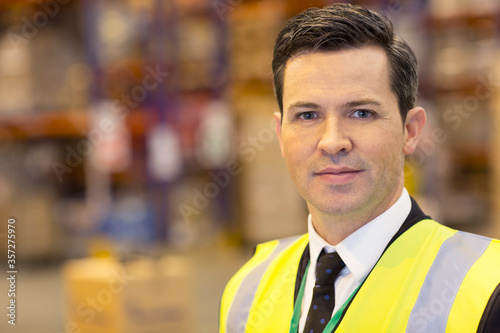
(296, 145)
(383, 147)
(297, 154)
(294, 155)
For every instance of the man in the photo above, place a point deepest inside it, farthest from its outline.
(371, 261)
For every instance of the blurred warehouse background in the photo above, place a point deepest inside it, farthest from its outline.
(138, 156)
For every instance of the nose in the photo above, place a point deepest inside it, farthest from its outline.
(334, 137)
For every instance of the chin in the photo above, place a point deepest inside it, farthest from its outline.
(337, 207)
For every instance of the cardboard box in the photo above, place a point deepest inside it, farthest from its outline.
(143, 296)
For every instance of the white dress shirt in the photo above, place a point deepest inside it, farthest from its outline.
(360, 251)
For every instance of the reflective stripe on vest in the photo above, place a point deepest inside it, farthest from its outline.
(431, 279)
(468, 307)
(454, 259)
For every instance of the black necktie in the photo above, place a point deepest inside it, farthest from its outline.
(323, 300)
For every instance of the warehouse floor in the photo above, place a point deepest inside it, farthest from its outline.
(40, 296)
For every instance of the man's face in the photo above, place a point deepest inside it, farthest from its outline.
(341, 134)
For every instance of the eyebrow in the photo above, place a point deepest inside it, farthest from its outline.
(304, 105)
(348, 105)
(366, 101)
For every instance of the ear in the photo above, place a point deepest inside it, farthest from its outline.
(277, 119)
(415, 121)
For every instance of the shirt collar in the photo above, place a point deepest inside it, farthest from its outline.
(361, 250)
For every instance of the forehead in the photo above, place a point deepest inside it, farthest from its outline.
(351, 73)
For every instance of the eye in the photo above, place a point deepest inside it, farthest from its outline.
(309, 115)
(363, 114)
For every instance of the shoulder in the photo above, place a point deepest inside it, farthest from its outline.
(462, 269)
(479, 257)
(278, 245)
(272, 265)
(267, 254)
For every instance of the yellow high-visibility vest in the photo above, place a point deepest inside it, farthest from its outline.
(430, 279)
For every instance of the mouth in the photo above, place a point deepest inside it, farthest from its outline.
(340, 175)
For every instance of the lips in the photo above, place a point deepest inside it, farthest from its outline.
(338, 175)
(337, 171)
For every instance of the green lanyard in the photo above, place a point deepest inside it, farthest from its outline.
(294, 326)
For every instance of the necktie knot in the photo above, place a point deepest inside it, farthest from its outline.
(328, 268)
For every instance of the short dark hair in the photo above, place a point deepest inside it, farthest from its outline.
(343, 26)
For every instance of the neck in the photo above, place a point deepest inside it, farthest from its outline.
(335, 228)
